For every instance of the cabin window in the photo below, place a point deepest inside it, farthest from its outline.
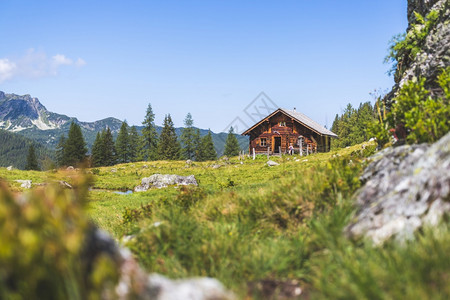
(263, 142)
(282, 124)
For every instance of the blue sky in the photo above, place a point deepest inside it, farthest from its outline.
(96, 59)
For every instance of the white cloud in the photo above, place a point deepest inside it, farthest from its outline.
(80, 62)
(35, 64)
(7, 68)
(61, 59)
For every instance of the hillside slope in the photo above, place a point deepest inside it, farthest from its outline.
(14, 150)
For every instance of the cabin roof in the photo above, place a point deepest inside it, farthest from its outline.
(300, 118)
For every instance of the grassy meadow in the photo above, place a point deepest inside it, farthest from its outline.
(247, 222)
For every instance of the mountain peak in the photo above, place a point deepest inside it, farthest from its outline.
(20, 112)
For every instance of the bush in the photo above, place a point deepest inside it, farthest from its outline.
(42, 236)
(416, 116)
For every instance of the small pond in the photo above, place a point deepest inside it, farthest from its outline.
(124, 193)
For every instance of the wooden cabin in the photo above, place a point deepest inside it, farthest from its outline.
(282, 128)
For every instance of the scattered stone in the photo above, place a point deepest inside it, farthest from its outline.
(216, 166)
(65, 184)
(305, 160)
(404, 189)
(272, 163)
(161, 181)
(10, 168)
(189, 163)
(224, 158)
(70, 168)
(26, 184)
(372, 139)
(144, 167)
(113, 170)
(274, 289)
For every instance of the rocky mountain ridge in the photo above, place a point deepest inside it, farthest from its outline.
(18, 113)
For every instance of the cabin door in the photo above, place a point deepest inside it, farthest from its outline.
(276, 144)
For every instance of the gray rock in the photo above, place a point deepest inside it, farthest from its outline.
(272, 163)
(10, 168)
(161, 181)
(163, 288)
(404, 189)
(70, 168)
(26, 184)
(135, 283)
(216, 166)
(113, 170)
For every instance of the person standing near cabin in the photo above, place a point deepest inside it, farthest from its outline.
(291, 149)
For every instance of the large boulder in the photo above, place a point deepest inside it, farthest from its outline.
(404, 188)
(164, 180)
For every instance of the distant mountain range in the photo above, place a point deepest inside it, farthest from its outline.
(14, 150)
(26, 116)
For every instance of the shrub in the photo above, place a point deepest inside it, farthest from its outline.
(416, 115)
(42, 236)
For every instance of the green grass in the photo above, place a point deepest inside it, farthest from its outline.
(248, 222)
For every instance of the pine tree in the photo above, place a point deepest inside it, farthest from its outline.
(32, 163)
(123, 144)
(231, 145)
(352, 124)
(109, 151)
(60, 157)
(134, 144)
(75, 146)
(142, 152)
(97, 151)
(335, 126)
(150, 134)
(207, 150)
(187, 137)
(365, 115)
(168, 146)
(197, 142)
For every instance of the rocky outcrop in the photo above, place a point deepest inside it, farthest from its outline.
(435, 49)
(422, 7)
(161, 181)
(404, 189)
